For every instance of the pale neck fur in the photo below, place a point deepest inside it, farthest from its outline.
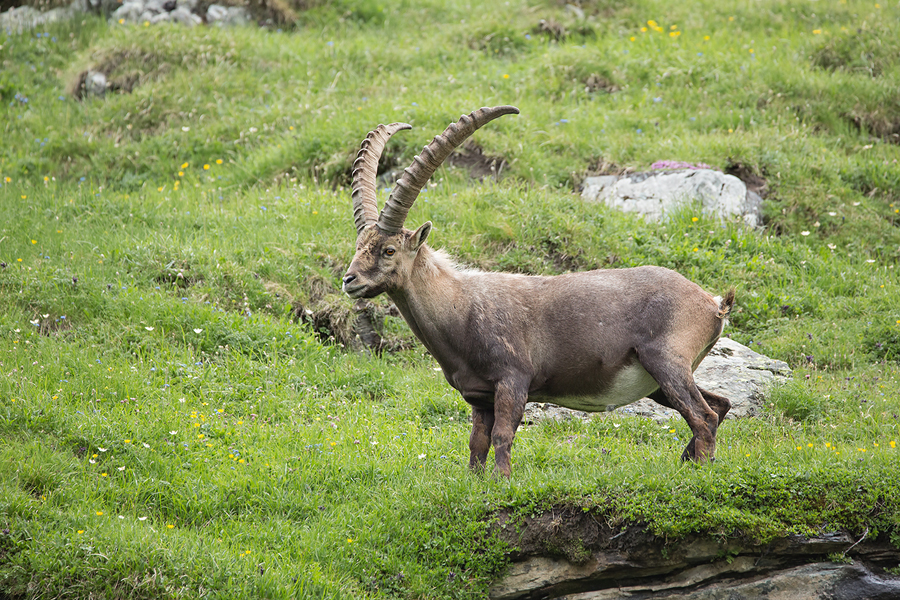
(433, 298)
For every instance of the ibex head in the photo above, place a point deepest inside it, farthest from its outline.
(385, 250)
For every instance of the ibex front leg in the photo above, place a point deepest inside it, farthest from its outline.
(509, 406)
(480, 440)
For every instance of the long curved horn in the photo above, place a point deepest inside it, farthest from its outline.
(365, 168)
(423, 167)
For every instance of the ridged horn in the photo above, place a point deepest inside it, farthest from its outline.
(424, 165)
(365, 169)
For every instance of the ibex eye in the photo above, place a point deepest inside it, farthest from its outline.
(389, 251)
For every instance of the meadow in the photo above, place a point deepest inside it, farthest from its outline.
(172, 425)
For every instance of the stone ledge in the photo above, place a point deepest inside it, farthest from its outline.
(570, 554)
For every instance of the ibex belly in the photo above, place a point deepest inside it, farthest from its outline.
(629, 384)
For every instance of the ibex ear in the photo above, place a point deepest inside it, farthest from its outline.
(419, 235)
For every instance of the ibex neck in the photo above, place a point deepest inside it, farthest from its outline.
(431, 300)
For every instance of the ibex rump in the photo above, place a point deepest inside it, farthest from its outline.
(590, 341)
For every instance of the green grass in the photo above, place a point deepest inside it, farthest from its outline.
(168, 428)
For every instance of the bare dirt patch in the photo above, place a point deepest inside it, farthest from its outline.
(551, 28)
(558, 32)
(178, 274)
(471, 157)
(597, 167)
(121, 72)
(329, 318)
(601, 166)
(337, 320)
(51, 325)
(871, 54)
(754, 181)
(594, 83)
(338, 171)
(881, 122)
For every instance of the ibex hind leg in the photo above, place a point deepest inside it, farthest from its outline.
(678, 391)
(660, 398)
(720, 404)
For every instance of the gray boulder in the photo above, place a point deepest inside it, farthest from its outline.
(95, 84)
(184, 12)
(220, 15)
(102, 7)
(653, 194)
(181, 15)
(129, 12)
(158, 11)
(23, 18)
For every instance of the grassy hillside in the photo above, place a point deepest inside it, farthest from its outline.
(171, 425)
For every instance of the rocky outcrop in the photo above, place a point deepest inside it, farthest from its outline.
(578, 556)
(730, 369)
(653, 194)
(184, 12)
(218, 14)
(158, 11)
(23, 18)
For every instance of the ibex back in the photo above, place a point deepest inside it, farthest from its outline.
(590, 341)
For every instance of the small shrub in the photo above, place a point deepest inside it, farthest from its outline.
(882, 340)
(854, 53)
(502, 40)
(796, 401)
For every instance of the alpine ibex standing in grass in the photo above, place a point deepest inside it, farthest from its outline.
(589, 341)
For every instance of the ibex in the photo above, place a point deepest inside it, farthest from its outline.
(590, 341)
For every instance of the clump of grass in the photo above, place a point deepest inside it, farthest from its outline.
(796, 401)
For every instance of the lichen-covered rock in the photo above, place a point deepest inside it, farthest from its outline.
(653, 194)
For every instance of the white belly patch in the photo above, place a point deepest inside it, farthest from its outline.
(631, 384)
